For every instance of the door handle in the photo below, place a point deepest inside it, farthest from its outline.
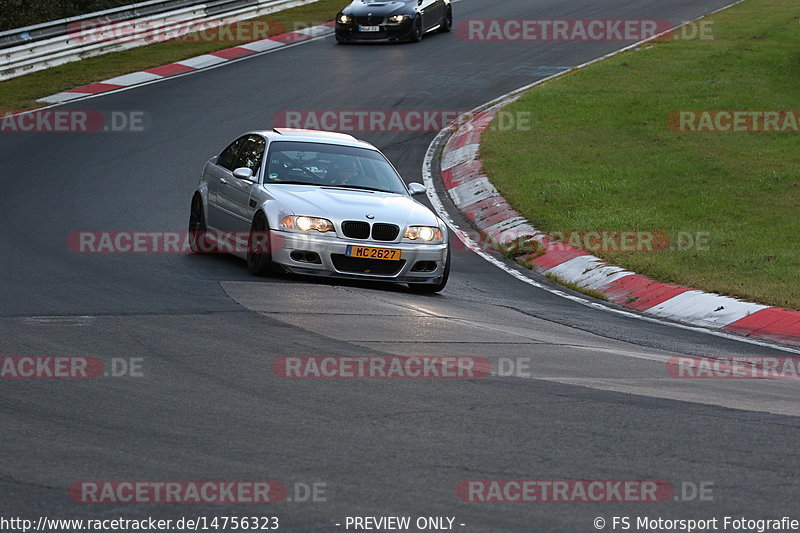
(223, 181)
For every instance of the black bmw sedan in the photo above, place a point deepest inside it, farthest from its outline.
(392, 20)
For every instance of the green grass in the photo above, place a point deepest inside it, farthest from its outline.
(21, 93)
(601, 156)
(575, 287)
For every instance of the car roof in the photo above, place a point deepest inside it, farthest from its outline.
(326, 137)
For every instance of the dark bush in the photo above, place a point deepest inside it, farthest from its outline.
(19, 13)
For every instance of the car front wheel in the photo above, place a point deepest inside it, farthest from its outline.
(447, 22)
(259, 258)
(198, 238)
(417, 32)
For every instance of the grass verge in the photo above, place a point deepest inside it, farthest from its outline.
(21, 93)
(575, 287)
(601, 156)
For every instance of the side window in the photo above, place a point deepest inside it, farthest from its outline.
(228, 156)
(251, 153)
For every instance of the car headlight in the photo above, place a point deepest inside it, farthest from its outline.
(345, 19)
(398, 18)
(303, 223)
(428, 234)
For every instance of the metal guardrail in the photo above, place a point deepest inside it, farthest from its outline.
(68, 43)
(55, 28)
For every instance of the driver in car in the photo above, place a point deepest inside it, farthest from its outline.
(347, 172)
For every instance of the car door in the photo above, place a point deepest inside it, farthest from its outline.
(217, 172)
(431, 11)
(442, 10)
(233, 197)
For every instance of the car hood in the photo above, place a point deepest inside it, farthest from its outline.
(338, 205)
(379, 8)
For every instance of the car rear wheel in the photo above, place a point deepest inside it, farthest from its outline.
(417, 32)
(259, 260)
(431, 288)
(198, 238)
(447, 22)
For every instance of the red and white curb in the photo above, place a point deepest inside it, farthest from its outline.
(192, 64)
(474, 196)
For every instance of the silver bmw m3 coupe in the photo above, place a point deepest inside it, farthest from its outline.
(318, 203)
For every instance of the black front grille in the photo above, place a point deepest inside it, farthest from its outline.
(373, 20)
(385, 232)
(355, 229)
(356, 265)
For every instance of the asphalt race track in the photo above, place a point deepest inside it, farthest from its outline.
(598, 404)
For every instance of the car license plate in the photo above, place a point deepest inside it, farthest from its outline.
(369, 28)
(366, 252)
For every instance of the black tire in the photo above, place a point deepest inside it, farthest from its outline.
(447, 21)
(198, 238)
(259, 262)
(417, 32)
(431, 288)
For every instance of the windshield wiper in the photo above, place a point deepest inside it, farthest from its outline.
(358, 187)
(290, 182)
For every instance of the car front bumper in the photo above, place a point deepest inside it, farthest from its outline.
(297, 253)
(388, 32)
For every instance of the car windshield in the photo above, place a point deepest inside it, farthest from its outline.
(331, 165)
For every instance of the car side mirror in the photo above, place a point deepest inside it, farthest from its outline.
(243, 173)
(416, 189)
